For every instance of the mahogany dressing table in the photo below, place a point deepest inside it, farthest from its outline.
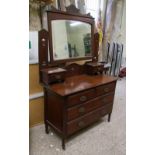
(75, 96)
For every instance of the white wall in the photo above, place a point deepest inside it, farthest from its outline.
(33, 52)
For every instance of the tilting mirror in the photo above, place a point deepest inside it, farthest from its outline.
(71, 39)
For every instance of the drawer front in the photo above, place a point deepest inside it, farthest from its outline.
(91, 105)
(48, 79)
(56, 77)
(81, 97)
(106, 88)
(82, 122)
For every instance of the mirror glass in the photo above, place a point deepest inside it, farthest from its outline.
(70, 39)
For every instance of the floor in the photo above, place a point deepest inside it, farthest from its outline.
(102, 138)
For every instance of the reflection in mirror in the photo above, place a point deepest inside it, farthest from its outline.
(71, 39)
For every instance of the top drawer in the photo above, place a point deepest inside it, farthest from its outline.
(81, 97)
(105, 88)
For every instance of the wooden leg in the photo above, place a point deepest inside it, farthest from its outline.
(63, 144)
(46, 129)
(109, 116)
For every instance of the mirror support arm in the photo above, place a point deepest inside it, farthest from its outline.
(96, 47)
(43, 41)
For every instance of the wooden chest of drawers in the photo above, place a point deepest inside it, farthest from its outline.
(78, 102)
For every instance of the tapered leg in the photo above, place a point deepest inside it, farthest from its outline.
(46, 129)
(109, 117)
(63, 144)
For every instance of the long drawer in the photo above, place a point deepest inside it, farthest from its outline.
(86, 120)
(91, 105)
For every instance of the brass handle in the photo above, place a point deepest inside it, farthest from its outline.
(106, 89)
(81, 124)
(72, 69)
(83, 98)
(43, 63)
(58, 77)
(43, 41)
(81, 110)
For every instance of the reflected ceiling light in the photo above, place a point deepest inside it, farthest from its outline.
(75, 23)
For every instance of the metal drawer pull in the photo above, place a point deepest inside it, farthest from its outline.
(81, 124)
(43, 63)
(57, 76)
(81, 110)
(106, 89)
(83, 98)
(43, 39)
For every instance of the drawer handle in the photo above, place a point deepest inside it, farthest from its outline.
(58, 77)
(106, 89)
(43, 63)
(83, 98)
(81, 124)
(81, 110)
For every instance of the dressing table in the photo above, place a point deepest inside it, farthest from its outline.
(75, 95)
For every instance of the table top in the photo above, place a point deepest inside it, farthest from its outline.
(79, 83)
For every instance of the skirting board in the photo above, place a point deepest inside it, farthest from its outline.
(36, 95)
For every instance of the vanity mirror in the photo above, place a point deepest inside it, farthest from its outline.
(71, 36)
(71, 39)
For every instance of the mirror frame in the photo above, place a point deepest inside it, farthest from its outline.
(61, 15)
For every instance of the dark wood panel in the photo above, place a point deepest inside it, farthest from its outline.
(43, 50)
(91, 105)
(96, 47)
(74, 69)
(80, 123)
(54, 110)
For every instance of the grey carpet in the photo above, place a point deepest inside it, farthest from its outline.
(102, 138)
